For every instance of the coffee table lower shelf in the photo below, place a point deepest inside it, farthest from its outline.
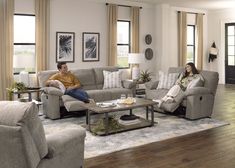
(122, 128)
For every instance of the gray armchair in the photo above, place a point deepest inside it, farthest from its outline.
(198, 101)
(23, 143)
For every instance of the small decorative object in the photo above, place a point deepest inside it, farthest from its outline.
(148, 53)
(145, 76)
(113, 125)
(148, 39)
(16, 86)
(90, 46)
(65, 46)
(213, 52)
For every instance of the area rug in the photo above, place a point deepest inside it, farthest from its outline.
(166, 126)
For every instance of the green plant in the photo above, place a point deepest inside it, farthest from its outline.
(145, 76)
(16, 86)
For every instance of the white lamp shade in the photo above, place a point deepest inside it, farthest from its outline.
(135, 58)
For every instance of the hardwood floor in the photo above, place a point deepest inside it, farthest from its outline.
(214, 148)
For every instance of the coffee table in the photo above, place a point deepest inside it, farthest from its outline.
(140, 103)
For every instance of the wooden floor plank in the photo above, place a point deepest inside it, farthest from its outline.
(214, 148)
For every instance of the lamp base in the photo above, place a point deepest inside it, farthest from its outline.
(135, 73)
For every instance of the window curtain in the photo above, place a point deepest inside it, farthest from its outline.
(199, 41)
(182, 36)
(135, 15)
(6, 46)
(112, 34)
(42, 11)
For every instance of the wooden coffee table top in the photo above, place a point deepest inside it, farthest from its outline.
(140, 102)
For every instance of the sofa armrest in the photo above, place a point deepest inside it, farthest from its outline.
(151, 85)
(64, 140)
(197, 90)
(52, 91)
(128, 84)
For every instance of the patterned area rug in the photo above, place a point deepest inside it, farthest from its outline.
(167, 126)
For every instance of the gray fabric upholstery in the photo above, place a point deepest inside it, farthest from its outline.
(99, 77)
(24, 145)
(198, 101)
(86, 77)
(151, 84)
(43, 76)
(91, 80)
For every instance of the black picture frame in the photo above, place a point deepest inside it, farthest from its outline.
(90, 46)
(65, 42)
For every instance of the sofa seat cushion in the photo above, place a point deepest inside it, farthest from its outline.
(116, 92)
(99, 95)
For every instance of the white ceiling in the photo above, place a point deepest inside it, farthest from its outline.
(198, 4)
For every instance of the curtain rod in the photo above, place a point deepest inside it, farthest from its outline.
(125, 6)
(191, 12)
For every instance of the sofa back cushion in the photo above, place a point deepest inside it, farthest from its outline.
(22, 137)
(166, 81)
(86, 77)
(99, 77)
(43, 76)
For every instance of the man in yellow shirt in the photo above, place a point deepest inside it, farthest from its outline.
(70, 82)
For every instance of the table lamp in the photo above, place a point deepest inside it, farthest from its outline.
(135, 59)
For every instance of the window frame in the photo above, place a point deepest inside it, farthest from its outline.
(20, 14)
(194, 44)
(125, 44)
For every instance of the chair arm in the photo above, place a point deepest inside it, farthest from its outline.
(197, 90)
(128, 84)
(151, 85)
(52, 91)
(64, 140)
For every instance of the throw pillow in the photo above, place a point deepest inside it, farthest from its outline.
(166, 81)
(57, 84)
(199, 81)
(112, 79)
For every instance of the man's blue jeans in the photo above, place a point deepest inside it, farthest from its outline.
(79, 94)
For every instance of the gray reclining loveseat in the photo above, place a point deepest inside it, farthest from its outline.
(198, 101)
(92, 81)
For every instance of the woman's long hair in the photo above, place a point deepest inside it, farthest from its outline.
(194, 69)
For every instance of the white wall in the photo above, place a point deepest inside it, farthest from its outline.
(91, 16)
(166, 34)
(216, 32)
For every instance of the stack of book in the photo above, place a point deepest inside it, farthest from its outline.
(129, 120)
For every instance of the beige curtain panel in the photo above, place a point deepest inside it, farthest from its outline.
(135, 17)
(6, 46)
(112, 34)
(42, 10)
(199, 41)
(182, 36)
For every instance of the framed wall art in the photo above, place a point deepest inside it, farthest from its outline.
(90, 46)
(65, 46)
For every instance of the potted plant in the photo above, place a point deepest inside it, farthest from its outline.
(16, 86)
(145, 76)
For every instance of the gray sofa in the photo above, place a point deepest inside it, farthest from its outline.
(92, 81)
(23, 143)
(198, 101)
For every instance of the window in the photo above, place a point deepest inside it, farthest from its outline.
(24, 43)
(230, 44)
(191, 43)
(123, 43)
